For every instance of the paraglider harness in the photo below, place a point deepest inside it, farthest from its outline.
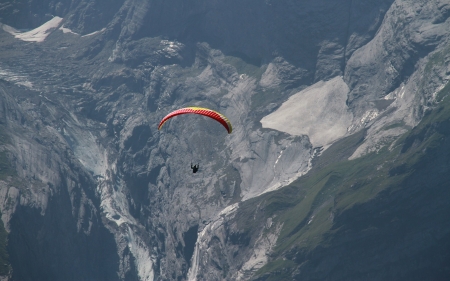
(195, 168)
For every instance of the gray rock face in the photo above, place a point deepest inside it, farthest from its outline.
(50, 207)
(401, 89)
(110, 197)
(410, 32)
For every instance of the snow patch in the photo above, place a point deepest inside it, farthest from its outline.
(170, 46)
(369, 116)
(11, 30)
(36, 35)
(319, 111)
(95, 32)
(278, 158)
(67, 30)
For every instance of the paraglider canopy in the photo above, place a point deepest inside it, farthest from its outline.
(201, 111)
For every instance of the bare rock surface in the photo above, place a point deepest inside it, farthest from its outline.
(319, 111)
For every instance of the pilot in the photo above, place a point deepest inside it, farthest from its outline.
(195, 168)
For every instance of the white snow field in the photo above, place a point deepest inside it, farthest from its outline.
(36, 35)
(318, 111)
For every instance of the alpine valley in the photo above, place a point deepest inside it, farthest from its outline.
(338, 166)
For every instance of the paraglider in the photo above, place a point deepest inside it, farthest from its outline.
(195, 168)
(201, 111)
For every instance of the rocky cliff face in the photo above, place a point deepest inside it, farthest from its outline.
(91, 189)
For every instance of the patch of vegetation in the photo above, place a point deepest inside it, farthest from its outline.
(5, 266)
(4, 138)
(331, 190)
(435, 60)
(264, 97)
(382, 104)
(6, 169)
(279, 270)
(394, 125)
(246, 66)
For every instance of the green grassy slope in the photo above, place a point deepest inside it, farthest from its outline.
(4, 258)
(380, 217)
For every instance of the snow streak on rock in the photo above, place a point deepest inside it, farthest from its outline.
(18, 79)
(201, 246)
(67, 30)
(95, 32)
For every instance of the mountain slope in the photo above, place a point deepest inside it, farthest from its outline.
(382, 216)
(95, 191)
